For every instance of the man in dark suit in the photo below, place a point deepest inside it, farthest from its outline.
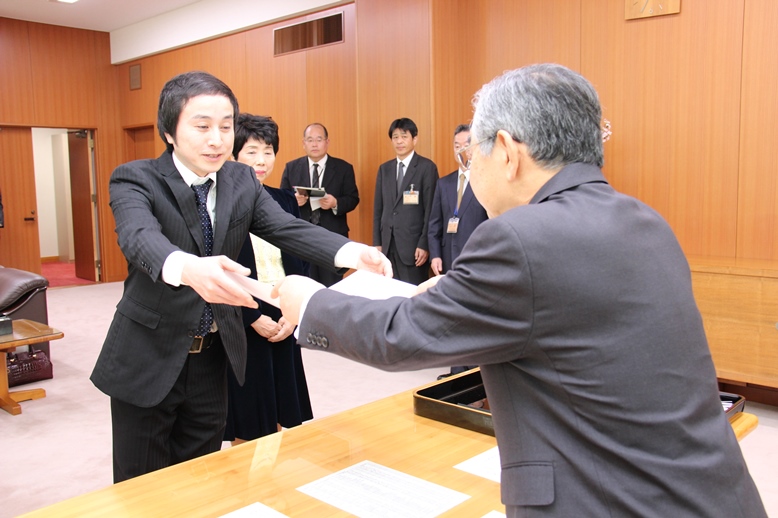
(455, 214)
(336, 177)
(403, 201)
(181, 220)
(576, 301)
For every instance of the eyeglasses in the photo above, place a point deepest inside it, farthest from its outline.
(464, 154)
(318, 140)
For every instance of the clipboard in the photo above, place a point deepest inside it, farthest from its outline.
(310, 191)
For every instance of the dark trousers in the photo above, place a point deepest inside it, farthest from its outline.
(187, 424)
(412, 274)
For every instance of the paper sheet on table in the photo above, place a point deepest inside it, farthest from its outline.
(486, 465)
(369, 490)
(260, 290)
(255, 510)
(373, 286)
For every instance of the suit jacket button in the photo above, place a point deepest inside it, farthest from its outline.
(324, 342)
(309, 338)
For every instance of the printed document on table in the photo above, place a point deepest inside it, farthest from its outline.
(369, 490)
(373, 286)
(255, 510)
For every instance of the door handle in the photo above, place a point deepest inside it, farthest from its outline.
(29, 219)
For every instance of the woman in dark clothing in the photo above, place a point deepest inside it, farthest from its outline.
(275, 393)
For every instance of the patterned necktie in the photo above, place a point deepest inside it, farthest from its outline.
(461, 189)
(315, 179)
(201, 193)
(315, 215)
(400, 167)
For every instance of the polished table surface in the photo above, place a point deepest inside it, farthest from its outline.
(269, 469)
(25, 332)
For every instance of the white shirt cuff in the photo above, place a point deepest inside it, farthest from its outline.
(348, 255)
(174, 267)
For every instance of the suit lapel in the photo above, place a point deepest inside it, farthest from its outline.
(305, 172)
(466, 197)
(225, 198)
(327, 180)
(185, 198)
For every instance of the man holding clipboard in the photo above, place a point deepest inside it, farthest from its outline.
(325, 188)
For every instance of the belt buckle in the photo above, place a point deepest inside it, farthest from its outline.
(197, 345)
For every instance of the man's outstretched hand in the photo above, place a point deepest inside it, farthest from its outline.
(206, 276)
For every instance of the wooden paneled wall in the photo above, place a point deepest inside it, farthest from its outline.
(59, 77)
(757, 185)
(670, 85)
(690, 96)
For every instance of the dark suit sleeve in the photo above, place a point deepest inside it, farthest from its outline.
(436, 222)
(246, 258)
(140, 234)
(429, 182)
(348, 199)
(285, 181)
(293, 235)
(432, 329)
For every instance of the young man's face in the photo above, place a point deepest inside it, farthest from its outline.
(403, 143)
(315, 143)
(258, 155)
(204, 134)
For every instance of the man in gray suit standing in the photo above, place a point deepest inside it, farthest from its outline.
(576, 301)
(181, 220)
(403, 200)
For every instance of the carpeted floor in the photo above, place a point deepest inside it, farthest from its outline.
(60, 274)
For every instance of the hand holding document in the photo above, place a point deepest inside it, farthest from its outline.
(260, 290)
(295, 291)
(373, 286)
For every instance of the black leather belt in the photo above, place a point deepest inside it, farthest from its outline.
(200, 343)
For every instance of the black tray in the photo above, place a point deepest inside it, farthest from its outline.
(737, 402)
(448, 401)
(454, 401)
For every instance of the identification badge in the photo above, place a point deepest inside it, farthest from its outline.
(411, 197)
(453, 225)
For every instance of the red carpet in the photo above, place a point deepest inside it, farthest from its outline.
(62, 274)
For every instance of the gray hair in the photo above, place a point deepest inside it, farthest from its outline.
(550, 108)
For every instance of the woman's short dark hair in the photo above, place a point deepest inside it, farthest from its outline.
(177, 92)
(248, 126)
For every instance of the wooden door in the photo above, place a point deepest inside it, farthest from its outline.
(82, 193)
(19, 242)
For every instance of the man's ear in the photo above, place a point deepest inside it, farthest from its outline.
(509, 148)
(169, 139)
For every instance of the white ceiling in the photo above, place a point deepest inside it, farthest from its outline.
(96, 15)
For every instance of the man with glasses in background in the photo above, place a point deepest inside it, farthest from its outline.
(335, 176)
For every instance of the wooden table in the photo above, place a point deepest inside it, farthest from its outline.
(269, 469)
(25, 332)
